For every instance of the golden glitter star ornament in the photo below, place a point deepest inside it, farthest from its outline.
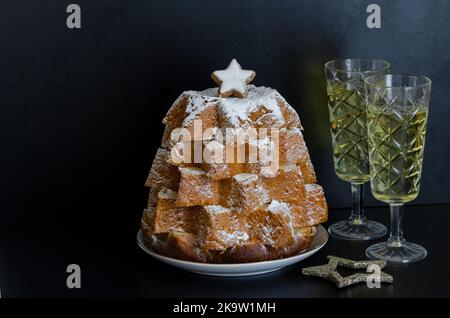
(328, 271)
(233, 80)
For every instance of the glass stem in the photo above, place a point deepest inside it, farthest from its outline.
(357, 216)
(396, 237)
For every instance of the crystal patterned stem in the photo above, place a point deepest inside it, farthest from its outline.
(396, 236)
(357, 216)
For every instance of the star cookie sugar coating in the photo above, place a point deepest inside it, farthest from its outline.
(233, 80)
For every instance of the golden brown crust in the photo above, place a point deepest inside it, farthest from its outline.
(180, 245)
(196, 188)
(183, 246)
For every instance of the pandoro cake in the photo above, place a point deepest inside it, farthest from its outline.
(231, 211)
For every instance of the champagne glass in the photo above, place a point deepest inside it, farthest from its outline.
(397, 120)
(348, 119)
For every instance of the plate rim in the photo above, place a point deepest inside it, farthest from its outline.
(144, 246)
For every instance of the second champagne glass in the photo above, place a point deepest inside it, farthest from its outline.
(397, 121)
(348, 124)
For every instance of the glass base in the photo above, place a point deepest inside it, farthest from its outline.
(357, 230)
(395, 252)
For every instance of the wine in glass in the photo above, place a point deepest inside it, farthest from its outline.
(348, 123)
(397, 120)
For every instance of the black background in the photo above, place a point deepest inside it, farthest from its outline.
(82, 108)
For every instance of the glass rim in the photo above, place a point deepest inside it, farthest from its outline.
(427, 80)
(386, 65)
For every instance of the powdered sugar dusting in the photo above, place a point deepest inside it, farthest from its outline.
(290, 167)
(313, 187)
(235, 237)
(191, 170)
(176, 104)
(284, 209)
(216, 209)
(246, 178)
(267, 235)
(278, 207)
(237, 110)
(196, 104)
(263, 193)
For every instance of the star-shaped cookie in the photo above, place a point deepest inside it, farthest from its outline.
(328, 271)
(233, 80)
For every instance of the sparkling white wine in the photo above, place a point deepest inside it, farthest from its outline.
(348, 120)
(396, 143)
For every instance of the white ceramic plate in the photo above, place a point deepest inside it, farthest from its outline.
(244, 269)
